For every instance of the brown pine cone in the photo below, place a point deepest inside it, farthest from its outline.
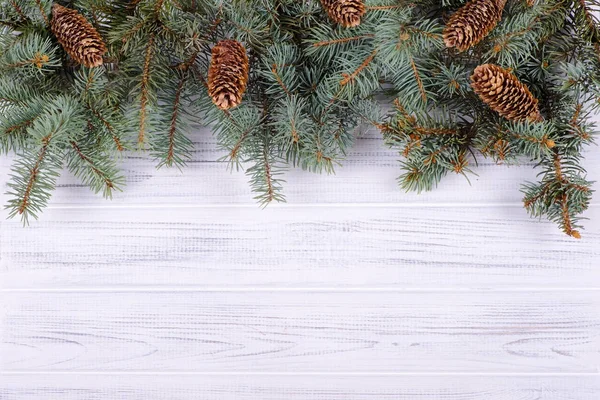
(228, 74)
(344, 12)
(472, 22)
(77, 36)
(504, 93)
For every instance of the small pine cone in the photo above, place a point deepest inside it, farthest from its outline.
(472, 22)
(77, 36)
(228, 74)
(344, 12)
(504, 93)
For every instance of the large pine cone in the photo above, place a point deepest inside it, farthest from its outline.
(504, 93)
(77, 36)
(344, 12)
(472, 22)
(228, 74)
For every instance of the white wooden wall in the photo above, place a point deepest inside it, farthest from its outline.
(183, 288)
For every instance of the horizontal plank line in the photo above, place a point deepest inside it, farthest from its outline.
(295, 205)
(304, 374)
(250, 289)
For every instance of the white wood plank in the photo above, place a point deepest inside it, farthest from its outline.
(160, 387)
(368, 175)
(301, 332)
(240, 247)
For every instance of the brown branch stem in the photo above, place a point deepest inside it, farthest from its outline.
(351, 77)
(174, 116)
(342, 40)
(144, 91)
(109, 184)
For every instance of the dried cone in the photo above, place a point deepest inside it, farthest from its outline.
(504, 93)
(77, 36)
(472, 22)
(228, 74)
(344, 12)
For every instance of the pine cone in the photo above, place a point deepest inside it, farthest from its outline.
(77, 36)
(472, 22)
(344, 12)
(504, 93)
(228, 74)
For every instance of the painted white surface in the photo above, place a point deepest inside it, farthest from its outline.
(182, 288)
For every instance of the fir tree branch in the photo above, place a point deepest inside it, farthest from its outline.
(106, 181)
(543, 141)
(294, 131)
(349, 78)
(503, 41)
(131, 32)
(561, 195)
(460, 164)
(37, 60)
(35, 172)
(388, 7)
(42, 11)
(564, 200)
(187, 64)
(575, 124)
(144, 88)
(590, 21)
(567, 225)
(158, 6)
(173, 124)
(310, 83)
(19, 126)
(413, 142)
(31, 54)
(270, 192)
(234, 153)
(18, 10)
(24, 202)
(279, 80)
(109, 127)
(341, 40)
(132, 4)
(418, 79)
(89, 82)
(424, 131)
(263, 172)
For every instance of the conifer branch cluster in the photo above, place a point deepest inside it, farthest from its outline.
(286, 83)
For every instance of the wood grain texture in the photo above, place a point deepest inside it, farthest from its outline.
(181, 288)
(157, 387)
(300, 332)
(368, 175)
(223, 247)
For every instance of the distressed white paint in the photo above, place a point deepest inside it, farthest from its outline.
(314, 387)
(182, 288)
(298, 247)
(301, 331)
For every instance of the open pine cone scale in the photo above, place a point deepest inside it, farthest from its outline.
(228, 74)
(77, 36)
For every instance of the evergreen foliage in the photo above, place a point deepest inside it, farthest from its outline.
(312, 82)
